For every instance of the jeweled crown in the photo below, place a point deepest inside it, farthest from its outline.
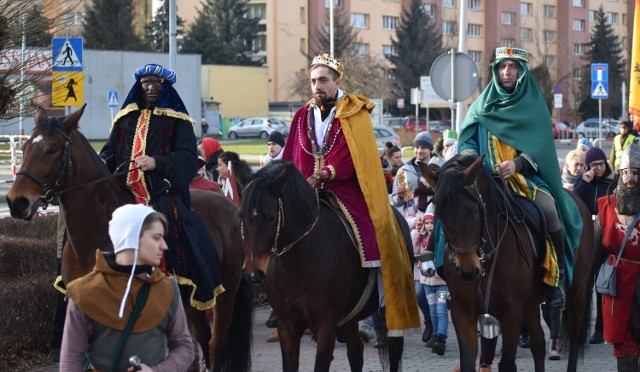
(327, 60)
(512, 53)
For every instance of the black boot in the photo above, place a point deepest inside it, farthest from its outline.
(428, 330)
(438, 345)
(557, 296)
(272, 322)
(628, 364)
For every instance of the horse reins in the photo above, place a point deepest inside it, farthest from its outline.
(52, 191)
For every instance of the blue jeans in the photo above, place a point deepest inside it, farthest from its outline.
(421, 296)
(437, 299)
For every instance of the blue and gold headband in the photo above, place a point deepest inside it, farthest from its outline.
(157, 70)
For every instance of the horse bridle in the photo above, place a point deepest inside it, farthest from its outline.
(56, 189)
(280, 223)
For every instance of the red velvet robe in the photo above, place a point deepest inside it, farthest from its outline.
(616, 310)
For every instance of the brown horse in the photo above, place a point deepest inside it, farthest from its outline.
(310, 266)
(487, 257)
(59, 161)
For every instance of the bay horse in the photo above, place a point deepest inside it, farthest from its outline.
(488, 260)
(58, 160)
(300, 248)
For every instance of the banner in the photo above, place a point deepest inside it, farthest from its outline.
(634, 83)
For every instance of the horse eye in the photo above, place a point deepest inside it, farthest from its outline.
(51, 150)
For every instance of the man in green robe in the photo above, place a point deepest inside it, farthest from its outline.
(509, 123)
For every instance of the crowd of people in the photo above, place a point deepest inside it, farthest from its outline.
(331, 143)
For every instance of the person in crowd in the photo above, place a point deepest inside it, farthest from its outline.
(573, 168)
(620, 142)
(596, 182)
(617, 213)
(408, 175)
(204, 128)
(420, 238)
(210, 149)
(450, 139)
(233, 173)
(126, 306)
(584, 145)
(333, 145)
(520, 148)
(153, 136)
(202, 181)
(275, 144)
(437, 292)
(394, 157)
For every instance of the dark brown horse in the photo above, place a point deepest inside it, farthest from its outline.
(482, 247)
(310, 267)
(58, 160)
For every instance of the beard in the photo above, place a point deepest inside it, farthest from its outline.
(628, 198)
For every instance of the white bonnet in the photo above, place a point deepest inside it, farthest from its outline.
(126, 224)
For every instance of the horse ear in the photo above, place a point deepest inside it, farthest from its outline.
(470, 174)
(278, 183)
(428, 174)
(41, 116)
(70, 122)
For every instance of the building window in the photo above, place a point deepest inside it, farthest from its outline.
(448, 4)
(257, 11)
(525, 9)
(548, 36)
(448, 28)
(578, 25)
(507, 42)
(624, 19)
(578, 49)
(577, 73)
(525, 34)
(388, 50)
(507, 18)
(612, 18)
(361, 49)
(303, 15)
(473, 4)
(592, 16)
(303, 45)
(429, 9)
(390, 23)
(476, 56)
(549, 61)
(75, 18)
(260, 43)
(336, 4)
(578, 3)
(549, 11)
(474, 30)
(359, 20)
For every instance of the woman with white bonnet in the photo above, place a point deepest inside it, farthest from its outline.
(126, 306)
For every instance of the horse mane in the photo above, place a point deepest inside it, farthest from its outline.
(296, 190)
(449, 188)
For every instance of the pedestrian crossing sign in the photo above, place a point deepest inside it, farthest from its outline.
(67, 88)
(599, 89)
(113, 98)
(67, 53)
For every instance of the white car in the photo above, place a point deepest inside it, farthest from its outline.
(590, 128)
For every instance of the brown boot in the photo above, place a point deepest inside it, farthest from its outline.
(274, 337)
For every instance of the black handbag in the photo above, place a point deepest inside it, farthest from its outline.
(606, 279)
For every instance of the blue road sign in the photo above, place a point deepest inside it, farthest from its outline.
(112, 97)
(599, 89)
(67, 53)
(599, 72)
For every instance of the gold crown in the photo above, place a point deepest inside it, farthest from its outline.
(512, 53)
(327, 60)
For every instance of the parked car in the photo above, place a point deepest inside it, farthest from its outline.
(562, 131)
(410, 124)
(258, 127)
(384, 134)
(590, 128)
(439, 125)
(394, 122)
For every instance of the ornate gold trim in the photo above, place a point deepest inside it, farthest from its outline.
(197, 304)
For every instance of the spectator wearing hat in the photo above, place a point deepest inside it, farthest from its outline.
(210, 149)
(202, 180)
(584, 145)
(104, 320)
(620, 142)
(408, 175)
(597, 178)
(275, 144)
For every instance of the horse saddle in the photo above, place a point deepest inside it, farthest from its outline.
(329, 200)
(525, 210)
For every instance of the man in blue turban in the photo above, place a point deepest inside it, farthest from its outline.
(153, 136)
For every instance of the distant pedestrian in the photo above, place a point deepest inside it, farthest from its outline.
(204, 127)
(620, 142)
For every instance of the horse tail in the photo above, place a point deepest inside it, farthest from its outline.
(237, 358)
(584, 326)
